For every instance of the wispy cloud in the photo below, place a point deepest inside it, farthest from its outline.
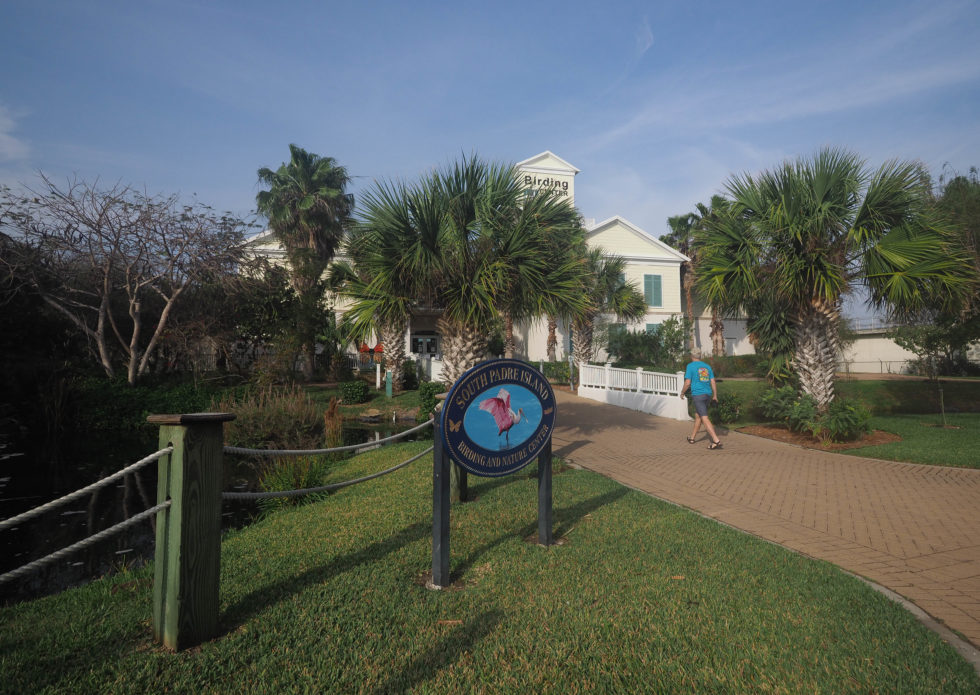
(644, 38)
(776, 98)
(760, 87)
(12, 148)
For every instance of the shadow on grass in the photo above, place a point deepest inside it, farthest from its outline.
(76, 653)
(251, 604)
(441, 654)
(476, 489)
(562, 521)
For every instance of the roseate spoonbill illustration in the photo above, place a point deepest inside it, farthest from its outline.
(499, 407)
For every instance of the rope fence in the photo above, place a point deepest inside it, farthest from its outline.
(81, 545)
(318, 452)
(188, 528)
(322, 488)
(37, 511)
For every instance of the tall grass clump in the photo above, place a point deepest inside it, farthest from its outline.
(284, 418)
(293, 473)
(272, 417)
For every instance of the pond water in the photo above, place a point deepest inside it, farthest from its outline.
(56, 468)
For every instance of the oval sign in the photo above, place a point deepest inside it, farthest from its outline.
(498, 417)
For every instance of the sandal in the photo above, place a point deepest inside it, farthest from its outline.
(715, 445)
(690, 440)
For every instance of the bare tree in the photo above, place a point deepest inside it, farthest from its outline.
(115, 261)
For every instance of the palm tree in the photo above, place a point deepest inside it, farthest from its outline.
(308, 210)
(469, 242)
(684, 229)
(386, 247)
(681, 235)
(494, 256)
(559, 248)
(606, 293)
(541, 262)
(803, 234)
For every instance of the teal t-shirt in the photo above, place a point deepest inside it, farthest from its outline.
(700, 375)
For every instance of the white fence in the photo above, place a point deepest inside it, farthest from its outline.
(649, 392)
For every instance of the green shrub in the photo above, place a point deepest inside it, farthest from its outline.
(555, 371)
(729, 407)
(802, 416)
(354, 392)
(427, 398)
(410, 375)
(777, 403)
(112, 404)
(844, 421)
(660, 347)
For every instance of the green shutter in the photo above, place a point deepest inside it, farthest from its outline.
(652, 290)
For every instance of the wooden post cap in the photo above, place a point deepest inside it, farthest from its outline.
(190, 418)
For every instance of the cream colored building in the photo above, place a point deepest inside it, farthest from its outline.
(652, 266)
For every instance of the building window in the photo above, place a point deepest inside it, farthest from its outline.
(652, 328)
(425, 343)
(652, 290)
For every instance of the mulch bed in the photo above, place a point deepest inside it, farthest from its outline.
(781, 434)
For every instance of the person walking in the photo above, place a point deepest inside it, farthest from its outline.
(700, 379)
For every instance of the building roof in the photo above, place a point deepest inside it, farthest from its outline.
(659, 249)
(547, 162)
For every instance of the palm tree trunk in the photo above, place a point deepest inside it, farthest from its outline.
(392, 334)
(552, 344)
(307, 357)
(687, 273)
(463, 346)
(509, 342)
(582, 333)
(717, 334)
(817, 350)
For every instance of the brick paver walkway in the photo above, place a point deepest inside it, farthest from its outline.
(911, 528)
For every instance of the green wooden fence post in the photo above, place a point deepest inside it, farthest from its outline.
(188, 534)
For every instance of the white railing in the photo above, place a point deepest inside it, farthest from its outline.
(650, 392)
(873, 324)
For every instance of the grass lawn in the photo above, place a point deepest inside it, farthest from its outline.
(640, 597)
(926, 440)
(402, 404)
(907, 408)
(913, 397)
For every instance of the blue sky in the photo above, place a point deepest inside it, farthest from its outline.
(656, 103)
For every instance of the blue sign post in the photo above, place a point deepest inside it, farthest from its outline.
(496, 419)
